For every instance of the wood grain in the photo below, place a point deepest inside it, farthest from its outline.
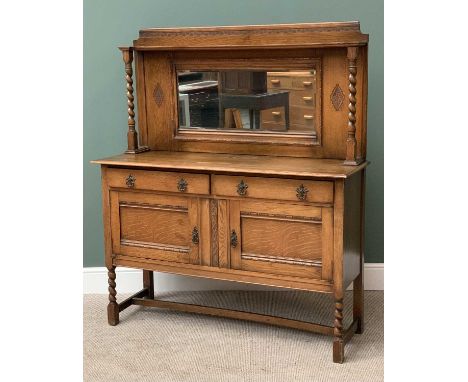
(159, 180)
(271, 188)
(252, 36)
(236, 164)
(236, 314)
(299, 225)
(283, 239)
(223, 234)
(251, 277)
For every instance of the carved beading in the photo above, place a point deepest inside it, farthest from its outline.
(214, 232)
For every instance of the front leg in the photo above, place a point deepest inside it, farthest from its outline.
(148, 283)
(338, 343)
(112, 307)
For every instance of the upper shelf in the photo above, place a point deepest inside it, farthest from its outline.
(235, 164)
(313, 35)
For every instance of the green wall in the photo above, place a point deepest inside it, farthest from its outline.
(111, 23)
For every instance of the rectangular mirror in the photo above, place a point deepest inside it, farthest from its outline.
(280, 101)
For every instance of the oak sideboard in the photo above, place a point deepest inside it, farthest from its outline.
(248, 165)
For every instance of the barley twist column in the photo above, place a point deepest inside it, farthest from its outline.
(112, 307)
(338, 344)
(132, 136)
(351, 149)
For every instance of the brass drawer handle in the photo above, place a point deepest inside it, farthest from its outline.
(307, 99)
(276, 82)
(301, 192)
(242, 188)
(276, 113)
(308, 116)
(182, 185)
(195, 236)
(233, 239)
(313, 72)
(130, 181)
(307, 83)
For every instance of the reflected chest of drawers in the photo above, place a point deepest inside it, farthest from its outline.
(271, 203)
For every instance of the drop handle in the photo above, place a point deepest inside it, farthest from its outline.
(301, 192)
(233, 239)
(242, 188)
(308, 117)
(276, 113)
(130, 181)
(182, 185)
(307, 99)
(195, 236)
(307, 83)
(276, 82)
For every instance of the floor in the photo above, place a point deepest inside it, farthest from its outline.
(152, 344)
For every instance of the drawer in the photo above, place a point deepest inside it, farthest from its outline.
(303, 98)
(273, 115)
(159, 181)
(302, 115)
(298, 115)
(297, 82)
(272, 188)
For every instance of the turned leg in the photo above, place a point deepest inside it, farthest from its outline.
(338, 344)
(358, 303)
(112, 307)
(148, 282)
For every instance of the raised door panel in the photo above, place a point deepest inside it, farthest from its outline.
(280, 238)
(153, 226)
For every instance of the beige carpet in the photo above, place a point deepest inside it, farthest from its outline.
(153, 344)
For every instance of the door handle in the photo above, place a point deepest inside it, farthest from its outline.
(195, 236)
(233, 239)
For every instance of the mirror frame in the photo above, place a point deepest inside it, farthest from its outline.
(232, 136)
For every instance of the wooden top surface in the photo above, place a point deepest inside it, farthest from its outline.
(328, 34)
(235, 164)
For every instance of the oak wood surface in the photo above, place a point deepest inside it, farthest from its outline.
(272, 188)
(236, 164)
(159, 181)
(253, 36)
(235, 314)
(251, 277)
(182, 207)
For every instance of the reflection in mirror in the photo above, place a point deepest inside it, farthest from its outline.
(248, 101)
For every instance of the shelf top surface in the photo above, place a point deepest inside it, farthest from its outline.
(329, 34)
(234, 164)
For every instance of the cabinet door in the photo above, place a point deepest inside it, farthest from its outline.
(281, 238)
(155, 226)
